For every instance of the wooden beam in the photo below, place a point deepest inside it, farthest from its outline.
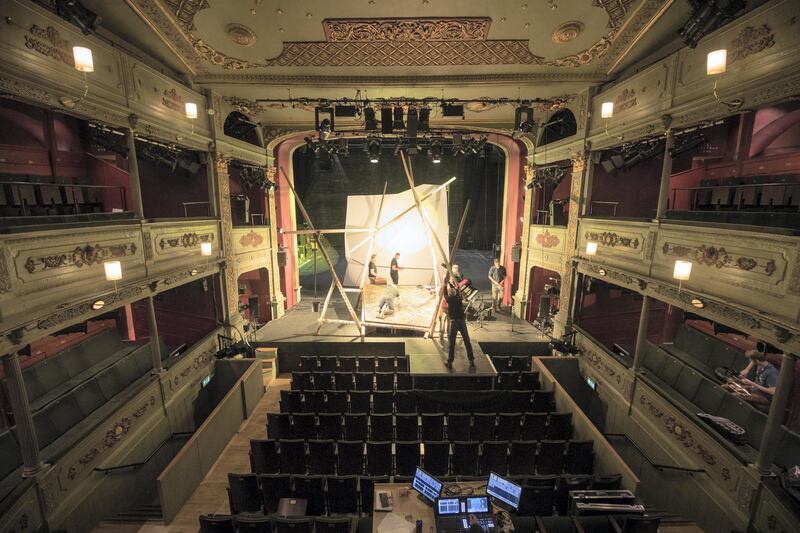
(374, 232)
(323, 231)
(322, 251)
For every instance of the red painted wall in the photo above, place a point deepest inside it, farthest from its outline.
(256, 283)
(284, 207)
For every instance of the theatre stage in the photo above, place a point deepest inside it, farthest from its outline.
(294, 335)
(414, 308)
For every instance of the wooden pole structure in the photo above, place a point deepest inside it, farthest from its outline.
(324, 253)
(449, 265)
(323, 231)
(321, 318)
(425, 221)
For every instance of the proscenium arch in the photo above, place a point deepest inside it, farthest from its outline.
(517, 152)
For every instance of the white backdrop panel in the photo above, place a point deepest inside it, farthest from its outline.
(407, 235)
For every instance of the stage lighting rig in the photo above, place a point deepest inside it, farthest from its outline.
(370, 122)
(397, 122)
(325, 126)
(425, 119)
(374, 149)
(707, 16)
(523, 119)
(549, 175)
(437, 149)
(74, 12)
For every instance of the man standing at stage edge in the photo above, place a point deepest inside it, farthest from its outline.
(394, 269)
(497, 275)
(458, 323)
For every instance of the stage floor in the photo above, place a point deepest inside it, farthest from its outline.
(426, 358)
(415, 307)
(300, 324)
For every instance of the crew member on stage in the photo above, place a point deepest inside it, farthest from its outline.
(458, 323)
(455, 273)
(766, 377)
(394, 269)
(442, 319)
(388, 301)
(497, 275)
(372, 269)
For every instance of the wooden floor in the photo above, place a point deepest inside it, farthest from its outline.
(211, 496)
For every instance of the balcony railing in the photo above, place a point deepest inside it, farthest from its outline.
(26, 199)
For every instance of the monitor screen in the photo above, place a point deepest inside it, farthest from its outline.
(427, 485)
(478, 504)
(504, 490)
(447, 506)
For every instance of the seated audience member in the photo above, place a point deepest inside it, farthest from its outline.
(749, 371)
(766, 375)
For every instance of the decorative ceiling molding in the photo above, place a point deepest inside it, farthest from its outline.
(454, 80)
(240, 34)
(185, 11)
(617, 11)
(406, 29)
(632, 30)
(566, 32)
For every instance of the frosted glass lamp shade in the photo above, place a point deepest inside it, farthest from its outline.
(682, 271)
(83, 59)
(607, 110)
(205, 248)
(113, 270)
(191, 110)
(591, 248)
(717, 62)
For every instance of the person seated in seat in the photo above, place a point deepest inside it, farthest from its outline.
(766, 375)
(388, 300)
(749, 371)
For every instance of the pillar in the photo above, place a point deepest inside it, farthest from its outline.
(666, 172)
(276, 296)
(155, 345)
(230, 290)
(641, 334)
(772, 431)
(23, 418)
(520, 308)
(577, 196)
(133, 173)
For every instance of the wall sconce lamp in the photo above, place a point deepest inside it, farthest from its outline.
(591, 248)
(191, 113)
(682, 272)
(113, 270)
(82, 58)
(716, 65)
(205, 249)
(607, 112)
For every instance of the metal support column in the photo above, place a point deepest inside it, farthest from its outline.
(772, 433)
(641, 334)
(23, 418)
(155, 345)
(133, 173)
(666, 172)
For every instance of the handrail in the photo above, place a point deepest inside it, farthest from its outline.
(147, 459)
(655, 465)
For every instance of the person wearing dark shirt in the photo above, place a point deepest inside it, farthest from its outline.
(766, 376)
(394, 269)
(372, 269)
(458, 324)
(497, 276)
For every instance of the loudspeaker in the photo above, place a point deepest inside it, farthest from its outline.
(282, 257)
(411, 123)
(386, 120)
(516, 253)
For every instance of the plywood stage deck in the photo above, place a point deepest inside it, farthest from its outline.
(415, 309)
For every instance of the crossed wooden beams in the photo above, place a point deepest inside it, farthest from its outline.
(431, 234)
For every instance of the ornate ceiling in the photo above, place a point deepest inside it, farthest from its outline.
(222, 40)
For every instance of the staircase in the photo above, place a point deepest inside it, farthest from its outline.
(141, 514)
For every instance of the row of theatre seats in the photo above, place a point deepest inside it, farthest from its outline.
(441, 458)
(22, 195)
(754, 192)
(413, 401)
(390, 363)
(401, 381)
(683, 371)
(72, 392)
(336, 495)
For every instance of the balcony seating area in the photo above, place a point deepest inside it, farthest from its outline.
(74, 391)
(26, 200)
(683, 373)
(347, 423)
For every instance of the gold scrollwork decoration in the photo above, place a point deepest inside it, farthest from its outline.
(88, 255)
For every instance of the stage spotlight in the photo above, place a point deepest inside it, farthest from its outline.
(74, 12)
(523, 119)
(424, 119)
(458, 144)
(708, 16)
(398, 123)
(374, 149)
(386, 120)
(311, 145)
(370, 123)
(452, 110)
(436, 150)
(326, 125)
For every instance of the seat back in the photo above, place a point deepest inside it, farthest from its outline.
(264, 456)
(342, 494)
(355, 426)
(580, 457)
(350, 457)
(340, 524)
(407, 457)
(494, 457)
(216, 524)
(245, 495)
(312, 489)
(550, 459)
(367, 491)
(509, 426)
(465, 458)
(379, 458)
(321, 457)
(436, 459)
(432, 426)
(559, 426)
(293, 456)
(253, 524)
(406, 427)
(291, 525)
(329, 426)
(459, 426)
(359, 401)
